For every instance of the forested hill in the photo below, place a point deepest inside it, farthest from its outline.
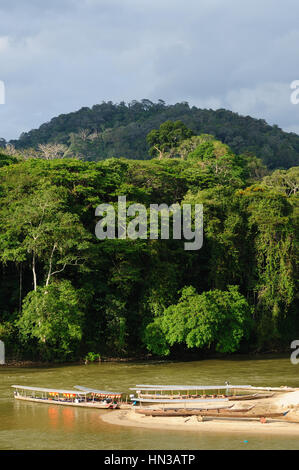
(120, 130)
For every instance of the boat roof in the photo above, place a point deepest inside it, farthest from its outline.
(100, 392)
(178, 400)
(187, 387)
(49, 390)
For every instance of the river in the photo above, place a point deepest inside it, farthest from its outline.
(25, 425)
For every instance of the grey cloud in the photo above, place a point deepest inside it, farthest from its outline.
(212, 53)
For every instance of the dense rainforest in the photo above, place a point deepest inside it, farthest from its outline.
(65, 295)
(119, 130)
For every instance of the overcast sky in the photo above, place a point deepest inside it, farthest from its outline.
(59, 55)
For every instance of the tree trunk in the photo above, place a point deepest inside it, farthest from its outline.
(20, 286)
(34, 272)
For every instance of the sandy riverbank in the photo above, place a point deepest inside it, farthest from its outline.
(283, 402)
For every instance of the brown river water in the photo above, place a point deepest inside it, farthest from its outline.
(26, 425)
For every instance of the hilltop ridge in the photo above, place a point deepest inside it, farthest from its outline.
(119, 130)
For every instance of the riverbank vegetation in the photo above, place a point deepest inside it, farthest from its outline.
(65, 294)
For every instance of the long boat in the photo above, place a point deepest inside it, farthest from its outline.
(282, 388)
(83, 398)
(193, 393)
(190, 411)
(203, 388)
(220, 413)
(182, 400)
(254, 396)
(120, 398)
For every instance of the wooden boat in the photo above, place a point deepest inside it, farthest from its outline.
(191, 387)
(228, 407)
(185, 391)
(227, 386)
(282, 388)
(255, 396)
(83, 398)
(240, 414)
(179, 397)
(193, 393)
(189, 412)
(162, 393)
(220, 413)
(181, 400)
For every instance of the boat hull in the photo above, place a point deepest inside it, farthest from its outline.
(256, 396)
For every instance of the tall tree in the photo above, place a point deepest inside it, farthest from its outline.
(167, 137)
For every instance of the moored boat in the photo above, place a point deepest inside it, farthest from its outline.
(83, 398)
(216, 413)
(193, 393)
(255, 396)
(189, 411)
(156, 397)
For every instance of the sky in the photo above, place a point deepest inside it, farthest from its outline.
(60, 55)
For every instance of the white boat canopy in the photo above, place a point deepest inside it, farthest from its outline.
(183, 400)
(49, 390)
(188, 387)
(99, 392)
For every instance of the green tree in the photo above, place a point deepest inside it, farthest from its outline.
(273, 225)
(218, 319)
(168, 137)
(42, 229)
(52, 318)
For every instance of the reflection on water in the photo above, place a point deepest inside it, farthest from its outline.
(68, 417)
(26, 425)
(53, 417)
